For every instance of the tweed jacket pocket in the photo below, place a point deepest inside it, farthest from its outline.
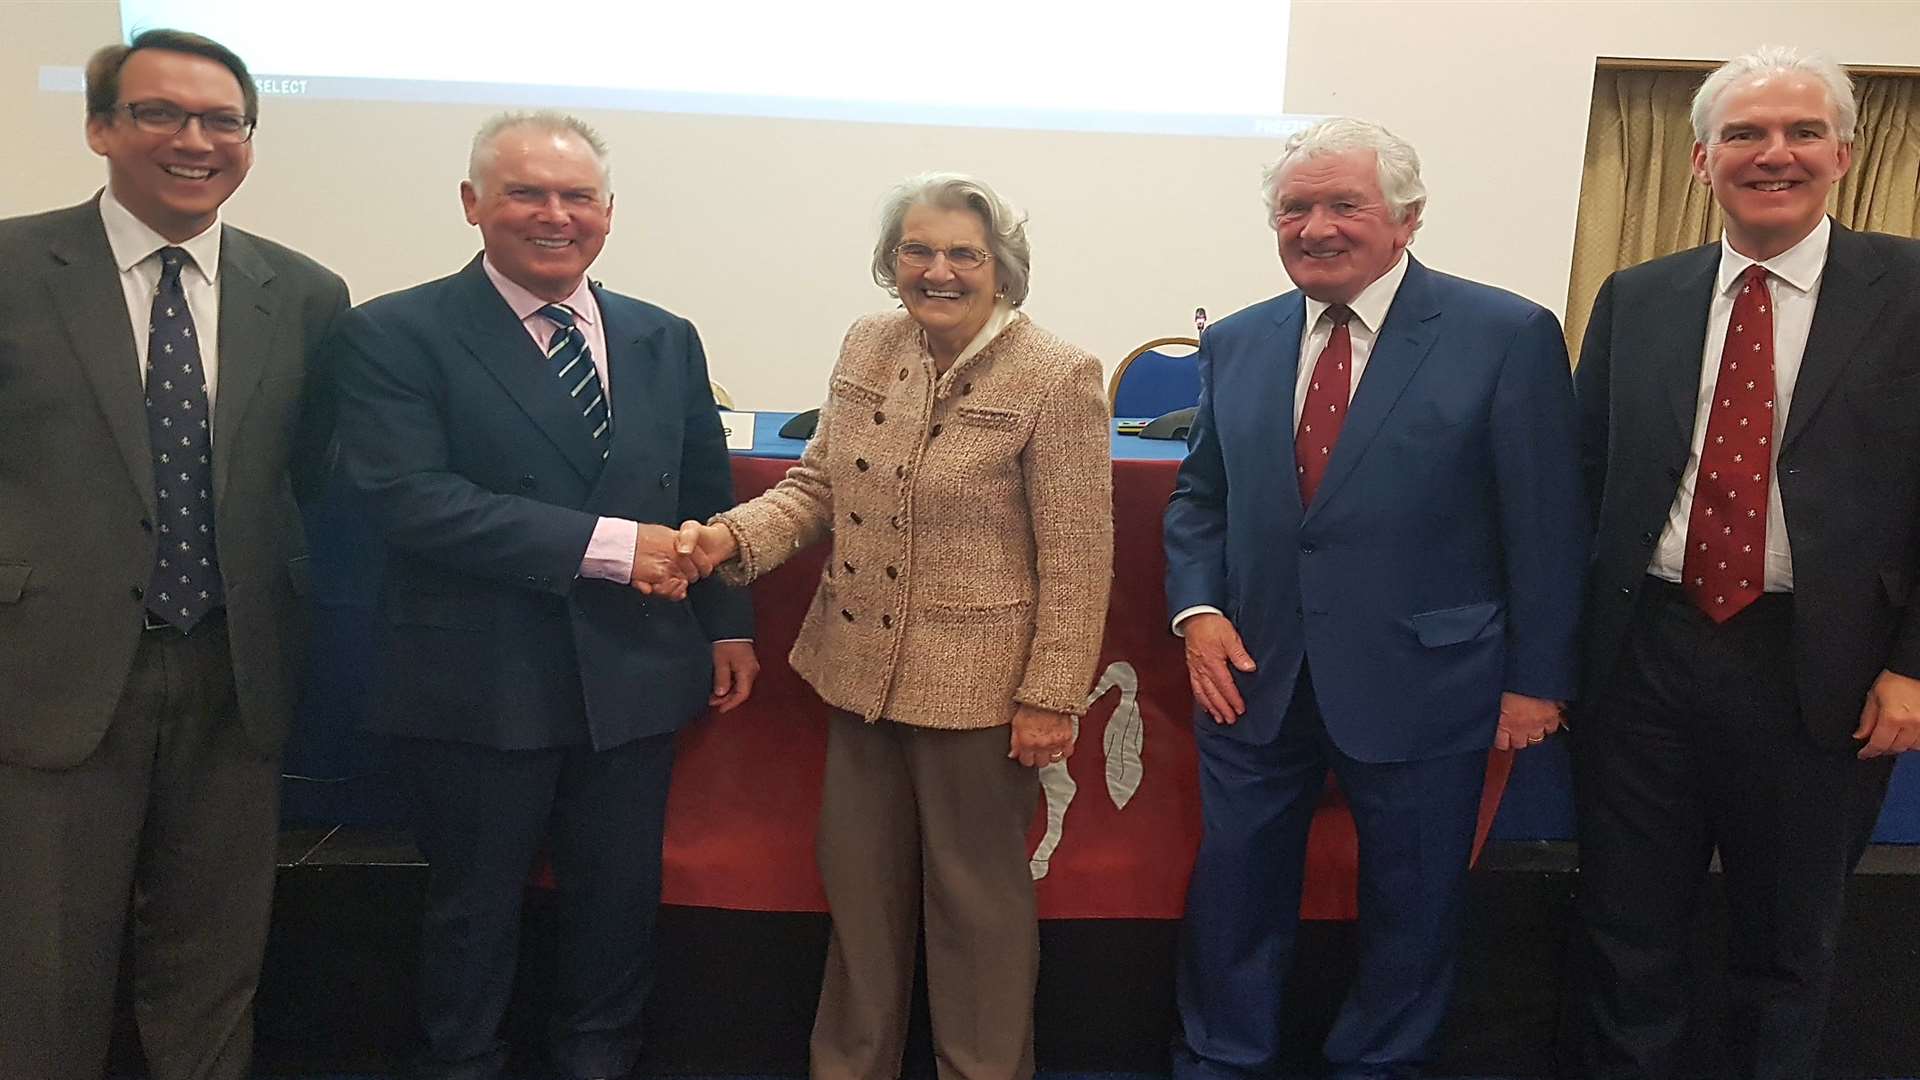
(858, 393)
(979, 416)
(1009, 611)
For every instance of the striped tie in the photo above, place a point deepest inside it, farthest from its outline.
(572, 364)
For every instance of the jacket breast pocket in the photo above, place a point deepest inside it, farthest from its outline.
(1457, 625)
(989, 418)
(855, 393)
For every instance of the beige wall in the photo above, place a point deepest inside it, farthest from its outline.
(760, 230)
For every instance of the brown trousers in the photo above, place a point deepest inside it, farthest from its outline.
(911, 817)
(175, 818)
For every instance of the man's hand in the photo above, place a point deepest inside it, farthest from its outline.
(659, 570)
(705, 546)
(1212, 644)
(1890, 722)
(734, 669)
(1040, 737)
(1525, 721)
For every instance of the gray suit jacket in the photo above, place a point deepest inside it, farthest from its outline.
(76, 478)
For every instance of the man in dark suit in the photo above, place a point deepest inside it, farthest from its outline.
(525, 438)
(1750, 419)
(1374, 552)
(151, 565)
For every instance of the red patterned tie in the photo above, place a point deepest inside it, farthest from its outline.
(1326, 406)
(1727, 531)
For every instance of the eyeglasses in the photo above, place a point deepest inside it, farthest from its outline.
(166, 118)
(960, 257)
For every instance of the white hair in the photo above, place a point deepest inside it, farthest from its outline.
(486, 141)
(1777, 60)
(1397, 162)
(1006, 227)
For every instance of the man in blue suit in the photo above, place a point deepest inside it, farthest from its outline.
(523, 438)
(1386, 595)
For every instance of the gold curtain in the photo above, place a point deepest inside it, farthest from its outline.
(1639, 200)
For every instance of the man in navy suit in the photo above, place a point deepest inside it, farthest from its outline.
(1386, 593)
(523, 437)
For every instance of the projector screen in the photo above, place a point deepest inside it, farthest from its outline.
(1125, 66)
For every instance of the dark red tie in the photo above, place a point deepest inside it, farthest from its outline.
(1326, 406)
(1726, 557)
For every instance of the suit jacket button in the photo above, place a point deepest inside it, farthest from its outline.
(1647, 538)
(879, 417)
(1626, 590)
(900, 472)
(854, 516)
(935, 431)
(528, 483)
(966, 388)
(848, 567)
(860, 463)
(903, 374)
(892, 572)
(886, 621)
(1306, 549)
(139, 593)
(847, 615)
(666, 479)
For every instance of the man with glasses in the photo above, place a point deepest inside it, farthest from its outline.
(157, 420)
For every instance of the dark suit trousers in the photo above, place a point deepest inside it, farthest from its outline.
(481, 816)
(1415, 821)
(1698, 744)
(174, 810)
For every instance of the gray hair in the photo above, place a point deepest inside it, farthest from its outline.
(1777, 60)
(546, 121)
(1006, 227)
(1397, 162)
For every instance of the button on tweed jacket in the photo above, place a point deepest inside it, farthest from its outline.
(972, 525)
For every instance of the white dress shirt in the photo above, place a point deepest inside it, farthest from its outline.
(1793, 282)
(136, 253)
(1369, 313)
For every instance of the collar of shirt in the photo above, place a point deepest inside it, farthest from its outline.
(1799, 266)
(134, 241)
(525, 305)
(1370, 307)
(1002, 317)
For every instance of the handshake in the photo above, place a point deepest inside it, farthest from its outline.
(667, 561)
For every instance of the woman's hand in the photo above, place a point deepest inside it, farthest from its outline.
(1040, 737)
(706, 546)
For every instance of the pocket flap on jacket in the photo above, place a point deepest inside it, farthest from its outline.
(977, 416)
(13, 581)
(1451, 626)
(843, 387)
(1898, 584)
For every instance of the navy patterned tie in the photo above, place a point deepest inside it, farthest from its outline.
(572, 363)
(186, 571)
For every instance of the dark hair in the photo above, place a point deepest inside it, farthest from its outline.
(103, 68)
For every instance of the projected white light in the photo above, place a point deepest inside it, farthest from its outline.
(1214, 67)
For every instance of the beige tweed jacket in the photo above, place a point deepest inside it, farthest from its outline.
(972, 525)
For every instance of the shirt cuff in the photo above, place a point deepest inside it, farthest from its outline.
(1197, 609)
(610, 552)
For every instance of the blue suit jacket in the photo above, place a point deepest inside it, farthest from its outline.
(1442, 558)
(483, 481)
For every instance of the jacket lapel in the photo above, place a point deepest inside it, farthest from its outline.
(1676, 323)
(1849, 302)
(1399, 348)
(246, 342)
(485, 325)
(634, 373)
(85, 287)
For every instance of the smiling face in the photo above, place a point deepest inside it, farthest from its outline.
(1337, 234)
(1772, 157)
(543, 209)
(174, 183)
(950, 305)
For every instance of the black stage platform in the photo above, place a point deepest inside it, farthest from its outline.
(737, 989)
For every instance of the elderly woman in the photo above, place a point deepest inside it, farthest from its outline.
(961, 469)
